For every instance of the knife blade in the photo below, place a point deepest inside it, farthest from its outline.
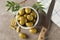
(46, 21)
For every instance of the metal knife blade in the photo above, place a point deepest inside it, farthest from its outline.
(49, 13)
(46, 21)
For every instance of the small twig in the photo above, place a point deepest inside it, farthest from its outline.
(23, 2)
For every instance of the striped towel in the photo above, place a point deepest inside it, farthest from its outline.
(56, 12)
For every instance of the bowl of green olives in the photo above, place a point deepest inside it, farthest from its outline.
(27, 17)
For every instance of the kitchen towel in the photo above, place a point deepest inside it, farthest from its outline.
(56, 12)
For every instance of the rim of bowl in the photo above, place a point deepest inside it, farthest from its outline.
(24, 27)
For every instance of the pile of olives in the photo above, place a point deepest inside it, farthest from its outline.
(15, 27)
(26, 17)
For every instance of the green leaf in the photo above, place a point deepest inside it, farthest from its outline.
(9, 8)
(9, 3)
(38, 6)
(17, 7)
(12, 6)
(38, 2)
(13, 3)
(12, 9)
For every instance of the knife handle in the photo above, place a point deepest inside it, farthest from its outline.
(42, 33)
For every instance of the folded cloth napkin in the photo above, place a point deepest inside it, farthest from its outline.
(56, 12)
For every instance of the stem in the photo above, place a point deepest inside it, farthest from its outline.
(23, 2)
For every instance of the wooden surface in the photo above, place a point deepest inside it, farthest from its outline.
(42, 33)
(7, 34)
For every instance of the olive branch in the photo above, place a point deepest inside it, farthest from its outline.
(13, 6)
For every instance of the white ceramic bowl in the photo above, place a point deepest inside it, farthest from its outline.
(35, 22)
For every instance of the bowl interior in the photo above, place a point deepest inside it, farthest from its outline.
(35, 22)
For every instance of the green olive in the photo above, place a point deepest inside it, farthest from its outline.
(18, 17)
(29, 24)
(25, 15)
(25, 20)
(21, 12)
(33, 30)
(34, 21)
(22, 22)
(30, 17)
(27, 10)
(22, 18)
(22, 35)
(34, 14)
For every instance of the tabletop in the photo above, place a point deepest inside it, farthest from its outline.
(7, 34)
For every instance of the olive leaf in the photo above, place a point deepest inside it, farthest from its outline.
(38, 6)
(12, 6)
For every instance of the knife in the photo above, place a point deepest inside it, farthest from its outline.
(46, 21)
